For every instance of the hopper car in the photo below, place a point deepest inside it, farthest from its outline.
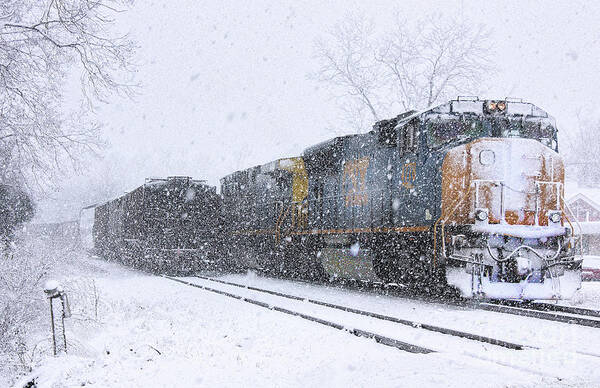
(164, 225)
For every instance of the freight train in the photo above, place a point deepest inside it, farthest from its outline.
(468, 195)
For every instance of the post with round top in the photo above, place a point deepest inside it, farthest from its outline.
(54, 290)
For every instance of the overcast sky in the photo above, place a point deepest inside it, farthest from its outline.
(225, 83)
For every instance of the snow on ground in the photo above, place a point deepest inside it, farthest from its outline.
(153, 332)
(588, 298)
(591, 295)
(550, 361)
(507, 327)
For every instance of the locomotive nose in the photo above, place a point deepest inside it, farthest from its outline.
(505, 195)
(517, 181)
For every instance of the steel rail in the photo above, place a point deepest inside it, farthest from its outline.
(545, 307)
(414, 324)
(539, 313)
(565, 309)
(549, 312)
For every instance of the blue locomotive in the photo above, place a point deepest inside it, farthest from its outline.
(467, 194)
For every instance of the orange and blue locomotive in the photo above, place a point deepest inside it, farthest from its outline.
(467, 194)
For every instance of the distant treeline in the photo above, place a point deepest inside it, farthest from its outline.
(62, 231)
(16, 208)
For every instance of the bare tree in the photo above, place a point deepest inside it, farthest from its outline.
(578, 147)
(411, 66)
(434, 61)
(348, 63)
(41, 42)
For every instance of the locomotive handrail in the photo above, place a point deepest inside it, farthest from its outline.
(519, 191)
(457, 203)
(496, 182)
(444, 221)
(280, 220)
(579, 239)
(503, 185)
(524, 247)
(558, 186)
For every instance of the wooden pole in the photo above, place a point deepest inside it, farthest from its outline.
(62, 300)
(52, 325)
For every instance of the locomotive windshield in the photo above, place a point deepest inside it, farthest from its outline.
(453, 129)
(447, 131)
(538, 129)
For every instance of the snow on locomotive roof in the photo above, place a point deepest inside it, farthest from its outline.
(159, 181)
(476, 106)
(325, 145)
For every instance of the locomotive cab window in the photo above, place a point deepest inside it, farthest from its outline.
(442, 132)
(386, 133)
(532, 128)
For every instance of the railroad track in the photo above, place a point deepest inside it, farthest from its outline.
(387, 341)
(543, 306)
(546, 311)
(405, 322)
(518, 362)
(540, 310)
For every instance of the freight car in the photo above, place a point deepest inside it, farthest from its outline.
(468, 194)
(165, 225)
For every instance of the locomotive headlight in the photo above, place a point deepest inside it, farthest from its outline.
(501, 105)
(481, 215)
(554, 216)
(487, 157)
(491, 106)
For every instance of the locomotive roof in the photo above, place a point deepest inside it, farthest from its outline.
(281, 163)
(325, 145)
(514, 108)
(155, 180)
(459, 106)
